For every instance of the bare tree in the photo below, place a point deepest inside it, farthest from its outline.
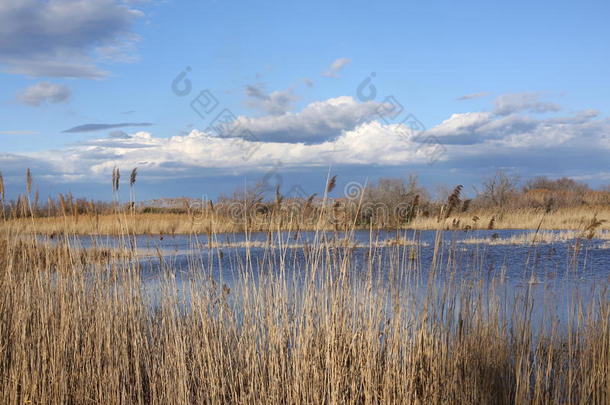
(499, 189)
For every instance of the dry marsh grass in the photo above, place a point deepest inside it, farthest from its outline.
(534, 237)
(523, 218)
(208, 222)
(336, 334)
(76, 329)
(31, 254)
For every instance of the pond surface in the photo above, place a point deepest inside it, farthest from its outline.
(505, 266)
(554, 272)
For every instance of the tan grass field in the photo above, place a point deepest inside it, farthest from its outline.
(208, 222)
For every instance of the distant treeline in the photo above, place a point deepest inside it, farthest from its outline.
(386, 202)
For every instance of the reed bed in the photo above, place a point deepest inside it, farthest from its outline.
(34, 254)
(523, 218)
(329, 330)
(527, 238)
(207, 221)
(78, 326)
(340, 242)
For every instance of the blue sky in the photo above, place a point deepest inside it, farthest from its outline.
(520, 86)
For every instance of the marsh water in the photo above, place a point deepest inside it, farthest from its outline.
(554, 273)
(514, 255)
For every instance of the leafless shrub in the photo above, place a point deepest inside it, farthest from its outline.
(499, 189)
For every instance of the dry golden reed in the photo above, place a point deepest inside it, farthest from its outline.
(335, 332)
(132, 177)
(80, 326)
(213, 216)
(2, 190)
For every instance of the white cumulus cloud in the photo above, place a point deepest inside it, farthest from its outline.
(341, 132)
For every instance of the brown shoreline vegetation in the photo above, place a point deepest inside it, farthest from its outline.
(206, 222)
(562, 204)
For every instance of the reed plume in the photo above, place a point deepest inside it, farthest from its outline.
(309, 201)
(331, 184)
(2, 196)
(453, 200)
(132, 177)
(62, 204)
(591, 227)
(116, 176)
(2, 191)
(132, 192)
(28, 181)
(492, 223)
(278, 196)
(466, 205)
(36, 200)
(50, 207)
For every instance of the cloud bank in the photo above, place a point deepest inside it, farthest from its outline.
(343, 132)
(318, 122)
(62, 38)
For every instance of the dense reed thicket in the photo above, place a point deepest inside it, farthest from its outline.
(322, 330)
